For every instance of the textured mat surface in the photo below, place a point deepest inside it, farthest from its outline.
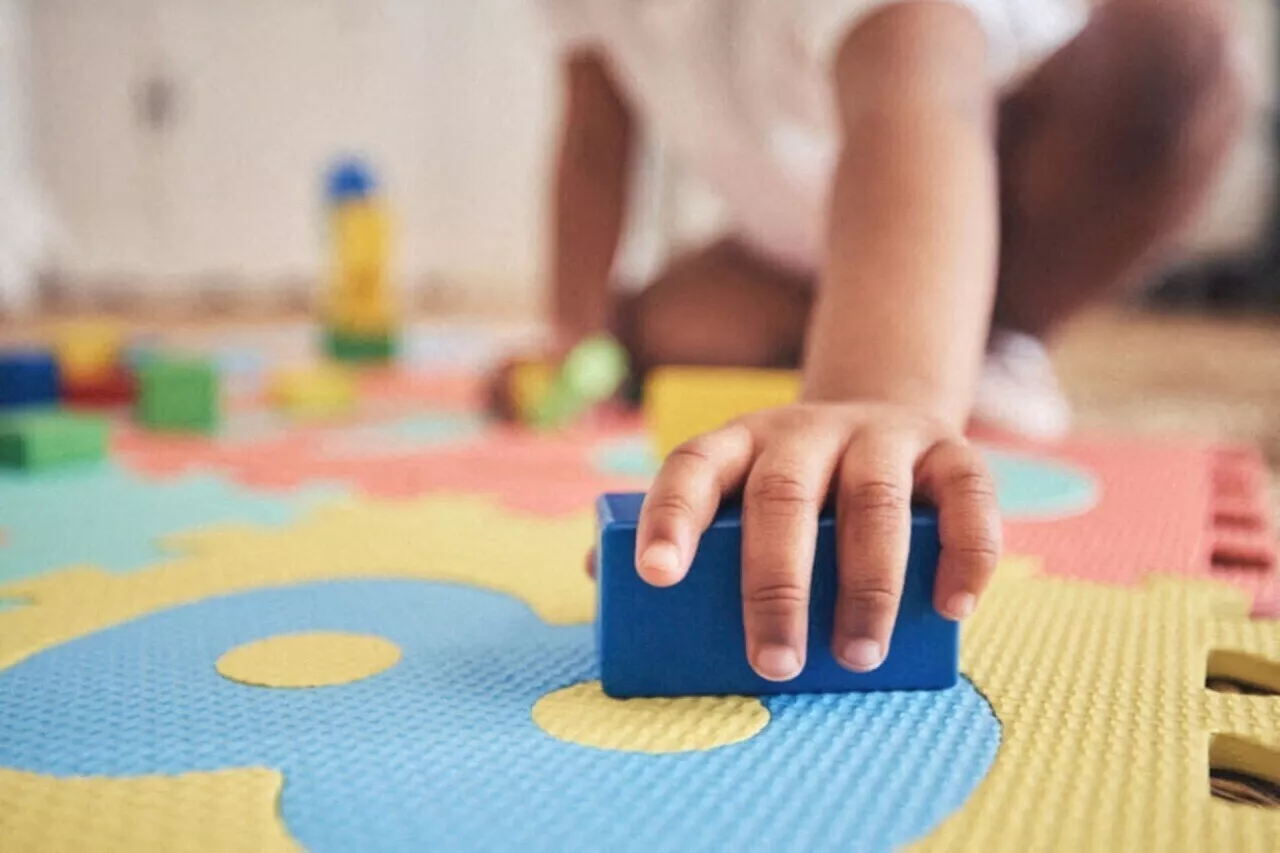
(460, 709)
(442, 750)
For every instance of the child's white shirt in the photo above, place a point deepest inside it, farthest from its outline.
(740, 92)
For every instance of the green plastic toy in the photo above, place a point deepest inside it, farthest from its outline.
(38, 440)
(178, 395)
(591, 373)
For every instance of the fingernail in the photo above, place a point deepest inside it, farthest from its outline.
(961, 606)
(660, 558)
(777, 663)
(862, 655)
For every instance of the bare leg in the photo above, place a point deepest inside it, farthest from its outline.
(719, 306)
(1107, 151)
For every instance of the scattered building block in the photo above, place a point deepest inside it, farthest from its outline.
(179, 395)
(530, 383)
(688, 639)
(39, 440)
(116, 387)
(28, 378)
(683, 402)
(549, 399)
(87, 350)
(316, 392)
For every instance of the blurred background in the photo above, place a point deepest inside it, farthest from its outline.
(173, 150)
(166, 157)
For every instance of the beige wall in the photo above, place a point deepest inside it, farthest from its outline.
(451, 100)
(454, 100)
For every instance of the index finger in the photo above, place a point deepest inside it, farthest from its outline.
(684, 498)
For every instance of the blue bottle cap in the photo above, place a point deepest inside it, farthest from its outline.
(350, 179)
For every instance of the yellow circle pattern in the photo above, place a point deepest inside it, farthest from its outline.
(584, 715)
(312, 659)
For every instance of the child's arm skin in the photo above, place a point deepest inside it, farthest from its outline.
(894, 347)
(589, 200)
(591, 183)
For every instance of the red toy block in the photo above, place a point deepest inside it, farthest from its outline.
(116, 388)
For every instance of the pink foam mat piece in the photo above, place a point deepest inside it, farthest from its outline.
(549, 474)
(1187, 507)
(1177, 507)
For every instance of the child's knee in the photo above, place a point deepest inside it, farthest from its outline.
(1178, 79)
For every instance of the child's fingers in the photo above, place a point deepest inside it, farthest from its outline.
(873, 503)
(783, 496)
(953, 475)
(684, 498)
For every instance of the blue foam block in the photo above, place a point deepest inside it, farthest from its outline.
(688, 639)
(28, 378)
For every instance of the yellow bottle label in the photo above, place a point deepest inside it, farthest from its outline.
(360, 299)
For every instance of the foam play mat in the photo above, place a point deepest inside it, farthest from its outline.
(373, 632)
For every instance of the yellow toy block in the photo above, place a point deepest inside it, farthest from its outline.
(315, 392)
(86, 349)
(682, 402)
(530, 383)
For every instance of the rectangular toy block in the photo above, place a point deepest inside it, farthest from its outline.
(346, 347)
(688, 639)
(39, 440)
(116, 387)
(317, 392)
(87, 349)
(178, 395)
(683, 402)
(28, 378)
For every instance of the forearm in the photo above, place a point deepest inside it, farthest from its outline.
(589, 201)
(906, 291)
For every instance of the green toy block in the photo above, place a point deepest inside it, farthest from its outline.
(347, 347)
(178, 395)
(38, 440)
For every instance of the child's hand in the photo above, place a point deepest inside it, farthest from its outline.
(786, 462)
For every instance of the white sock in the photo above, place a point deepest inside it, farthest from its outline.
(1018, 390)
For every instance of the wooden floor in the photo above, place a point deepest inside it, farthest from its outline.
(1172, 374)
(1164, 375)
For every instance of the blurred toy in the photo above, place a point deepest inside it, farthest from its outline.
(37, 440)
(115, 387)
(683, 402)
(316, 392)
(591, 373)
(28, 377)
(359, 313)
(179, 395)
(87, 350)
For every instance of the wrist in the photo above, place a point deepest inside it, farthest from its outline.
(905, 390)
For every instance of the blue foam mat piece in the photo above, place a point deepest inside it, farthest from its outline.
(105, 516)
(440, 751)
(688, 639)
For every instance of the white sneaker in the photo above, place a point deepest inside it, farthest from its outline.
(1018, 390)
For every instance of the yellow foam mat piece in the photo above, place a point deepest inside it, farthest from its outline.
(683, 402)
(310, 659)
(228, 810)
(1106, 721)
(584, 715)
(1108, 731)
(468, 540)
